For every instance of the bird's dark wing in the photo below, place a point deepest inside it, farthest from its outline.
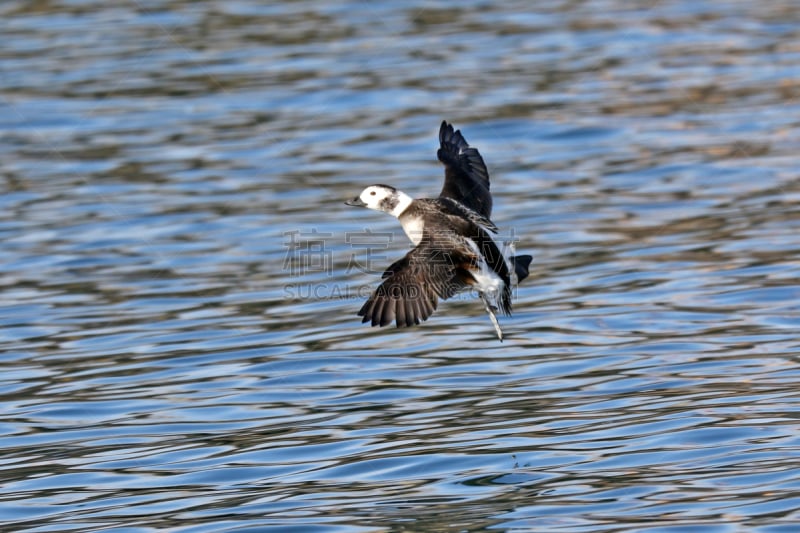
(458, 209)
(412, 286)
(466, 179)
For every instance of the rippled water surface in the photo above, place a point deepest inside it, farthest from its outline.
(179, 275)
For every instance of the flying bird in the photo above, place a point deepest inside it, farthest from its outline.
(454, 243)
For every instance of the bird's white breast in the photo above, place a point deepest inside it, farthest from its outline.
(413, 227)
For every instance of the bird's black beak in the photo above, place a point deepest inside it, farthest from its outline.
(355, 202)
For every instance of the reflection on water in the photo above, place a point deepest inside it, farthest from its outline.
(169, 364)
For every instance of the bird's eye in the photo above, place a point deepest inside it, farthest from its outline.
(372, 193)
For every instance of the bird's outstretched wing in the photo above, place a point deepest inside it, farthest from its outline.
(466, 179)
(412, 286)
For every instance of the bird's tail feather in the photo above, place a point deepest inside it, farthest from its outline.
(521, 265)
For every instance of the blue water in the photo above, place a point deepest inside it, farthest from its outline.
(179, 276)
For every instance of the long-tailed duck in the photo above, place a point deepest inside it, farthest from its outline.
(454, 245)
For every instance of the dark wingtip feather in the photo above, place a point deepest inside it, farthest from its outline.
(411, 315)
(451, 138)
(388, 314)
(377, 311)
(445, 132)
(400, 312)
(366, 309)
(466, 175)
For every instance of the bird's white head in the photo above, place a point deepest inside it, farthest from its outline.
(382, 198)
